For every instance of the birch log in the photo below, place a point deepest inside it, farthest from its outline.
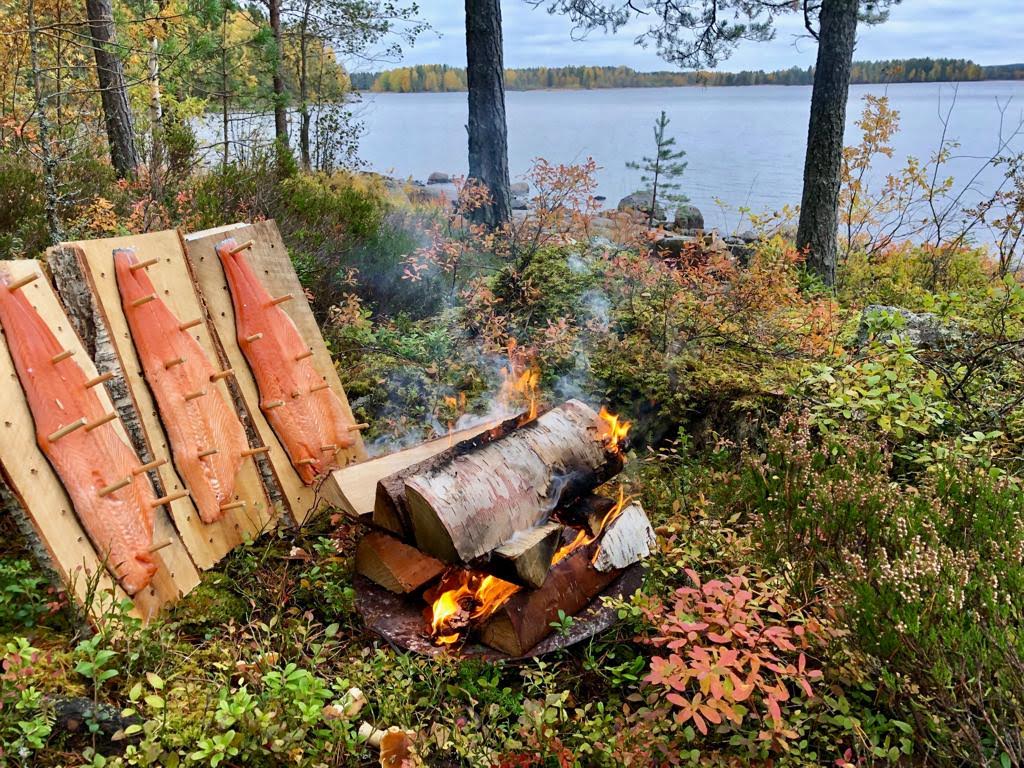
(525, 619)
(390, 510)
(479, 500)
(627, 539)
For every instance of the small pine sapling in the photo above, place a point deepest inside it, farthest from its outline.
(661, 173)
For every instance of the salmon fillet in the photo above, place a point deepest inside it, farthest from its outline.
(193, 411)
(90, 458)
(307, 417)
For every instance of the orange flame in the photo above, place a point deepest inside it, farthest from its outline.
(617, 428)
(465, 597)
(520, 380)
(583, 538)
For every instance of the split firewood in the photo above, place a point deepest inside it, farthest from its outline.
(627, 539)
(525, 619)
(393, 565)
(467, 506)
(588, 512)
(526, 557)
(390, 510)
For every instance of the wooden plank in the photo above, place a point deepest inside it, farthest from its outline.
(269, 258)
(41, 497)
(207, 543)
(353, 489)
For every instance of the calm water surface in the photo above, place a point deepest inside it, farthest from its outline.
(745, 145)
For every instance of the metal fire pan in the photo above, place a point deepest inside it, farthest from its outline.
(399, 620)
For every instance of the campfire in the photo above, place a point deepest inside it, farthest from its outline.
(495, 536)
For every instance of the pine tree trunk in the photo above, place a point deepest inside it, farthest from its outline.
(113, 91)
(819, 218)
(304, 87)
(280, 98)
(488, 132)
(53, 225)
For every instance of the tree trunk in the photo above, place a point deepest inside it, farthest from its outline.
(280, 98)
(824, 162)
(113, 90)
(488, 132)
(51, 204)
(481, 499)
(304, 87)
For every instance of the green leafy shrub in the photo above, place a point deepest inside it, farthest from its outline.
(26, 596)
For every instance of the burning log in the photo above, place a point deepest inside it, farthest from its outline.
(526, 557)
(525, 618)
(390, 510)
(395, 566)
(477, 501)
(627, 539)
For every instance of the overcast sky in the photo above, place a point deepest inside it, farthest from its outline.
(987, 31)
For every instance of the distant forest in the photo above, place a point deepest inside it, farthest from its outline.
(432, 78)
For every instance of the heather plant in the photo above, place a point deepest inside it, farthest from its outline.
(928, 573)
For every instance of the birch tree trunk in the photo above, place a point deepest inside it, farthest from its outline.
(488, 132)
(819, 208)
(113, 89)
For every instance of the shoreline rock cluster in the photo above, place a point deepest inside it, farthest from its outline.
(684, 232)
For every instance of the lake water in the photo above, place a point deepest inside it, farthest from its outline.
(745, 145)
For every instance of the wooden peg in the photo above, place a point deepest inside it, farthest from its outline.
(233, 505)
(296, 394)
(144, 264)
(254, 451)
(169, 498)
(280, 300)
(273, 404)
(99, 379)
(67, 429)
(115, 486)
(357, 427)
(101, 421)
(162, 545)
(318, 387)
(244, 246)
(332, 448)
(306, 461)
(209, 452)
(222, 375)
(147, 467)
(193, 395)
(22, 282)
(171, 363)
(304, 355)
(144, 300)
(62, 356)
(254, 337)
(190, 324)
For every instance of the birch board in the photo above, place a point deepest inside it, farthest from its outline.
(269, 258)
(207, 543)
(40, 495)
